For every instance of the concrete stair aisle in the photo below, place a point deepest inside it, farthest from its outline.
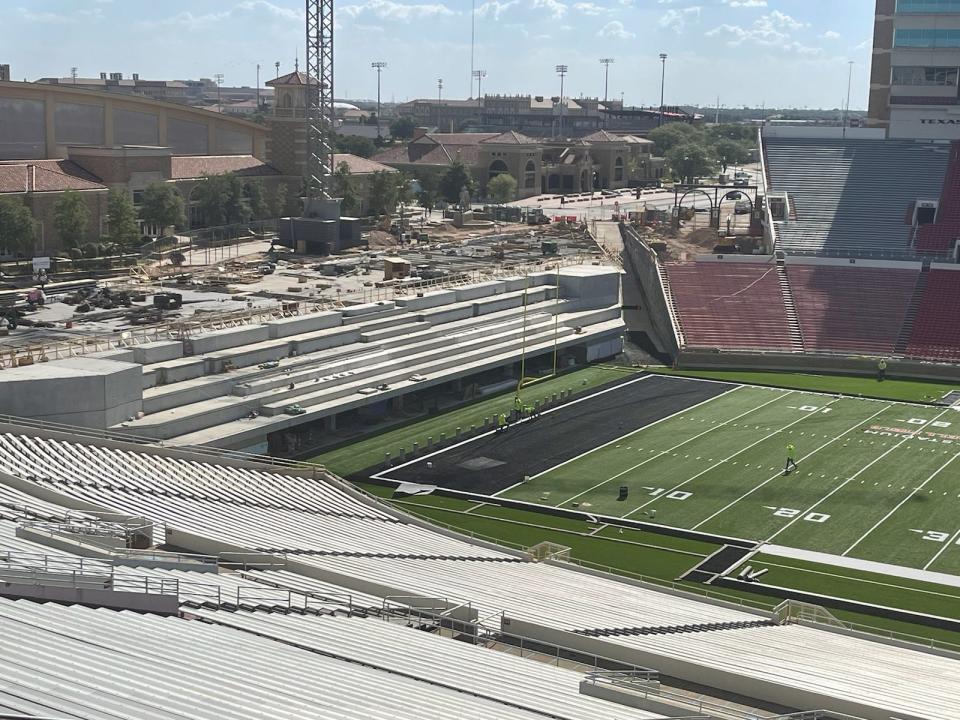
(671, 303)
(796, 335)
(906, 330)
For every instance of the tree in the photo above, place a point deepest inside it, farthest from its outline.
(502, 188)
(212, 201)
(455, 180)
(730, 152)
(690, 160)
(122, 229)
(278, 201)
(740, 133)
(70, 218)
(343, 188)
(672, 134)
(236, 209)
(402, 128)
(17, 231)
(429, 195)
(383, 193)
(354, 145)
(257, 199)
(162, 206)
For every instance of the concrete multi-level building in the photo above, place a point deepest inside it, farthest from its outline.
(916, 63)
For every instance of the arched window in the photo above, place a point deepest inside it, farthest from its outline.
(553, 182)
(618, 169)
(498, 167)
(287, 100)
(530, 175)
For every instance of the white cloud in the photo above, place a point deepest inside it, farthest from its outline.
(389, 10)
(590, 8)
(495, 9)
(198, 21)
(771, 30)
(615, 29)
(556, 8)
(745, 3)
(830, 35)
(677, 20)
(42, 17)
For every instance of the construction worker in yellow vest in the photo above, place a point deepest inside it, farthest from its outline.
(881, 369)
(501, 422)
(791, 459)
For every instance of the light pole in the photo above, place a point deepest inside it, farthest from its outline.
(73, 75)
(606, 62)
(258, 87)
(439, 90)
(379, 65)
(219, 77)
(846, 110)
(561, 71)
(276, 66)
(663, 80)
(479, 75)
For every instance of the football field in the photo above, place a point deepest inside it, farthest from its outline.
(876, 480)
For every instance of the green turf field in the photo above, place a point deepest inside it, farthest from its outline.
(877, 480)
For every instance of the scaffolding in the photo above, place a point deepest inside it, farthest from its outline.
(319, 113)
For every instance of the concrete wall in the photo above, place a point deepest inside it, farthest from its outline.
(159, 351)
(88, 392)
(303, 323)
(223, 339)
(642, 270)
(592, 285)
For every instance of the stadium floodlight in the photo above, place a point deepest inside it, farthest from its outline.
(479, 75)
(561, 71)
(606, 62)
(379, 66)
(663, 80)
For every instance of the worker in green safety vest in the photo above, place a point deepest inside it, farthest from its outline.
(791, 459)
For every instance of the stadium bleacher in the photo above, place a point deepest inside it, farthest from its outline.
(940, 236)
(850, 197)
(729, 304)
(261, 649)
(936, 329)
(852, 308)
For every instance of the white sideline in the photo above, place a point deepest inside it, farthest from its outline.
(950, 543)
(668, 450)
(900, 571)
(730, 457)
(866, 467)
(780, 474)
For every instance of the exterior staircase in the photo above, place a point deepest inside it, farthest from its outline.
(671, 304)
(796, 335)
(906, 330)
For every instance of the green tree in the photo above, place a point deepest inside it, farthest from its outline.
(354, 145)
(429, 193)
(17, 231)
(343, 188)
(690, 160)
(278, 200)
(257, 199)
(162, 206)
(402, 128)
(454, 180)
(739, 133)
(70, 218)
(122, 229)
(672, 134)
(383, 193)
(502, 188)
(236, 209)
(211, 197)
(730, 152)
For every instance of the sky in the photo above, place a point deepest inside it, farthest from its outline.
(779, 53)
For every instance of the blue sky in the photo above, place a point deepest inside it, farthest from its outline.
(778, 52)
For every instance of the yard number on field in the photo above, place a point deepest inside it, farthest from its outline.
(811, 408)
(934, 535)
(675, 495)
(792, 513)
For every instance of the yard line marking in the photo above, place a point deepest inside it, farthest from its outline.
(902, 502)
(780, 473)
(668, 450)
(632, 432)
(866, 467)
(382, 475)
(721, 462)
(859, 579)
(941, 550)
